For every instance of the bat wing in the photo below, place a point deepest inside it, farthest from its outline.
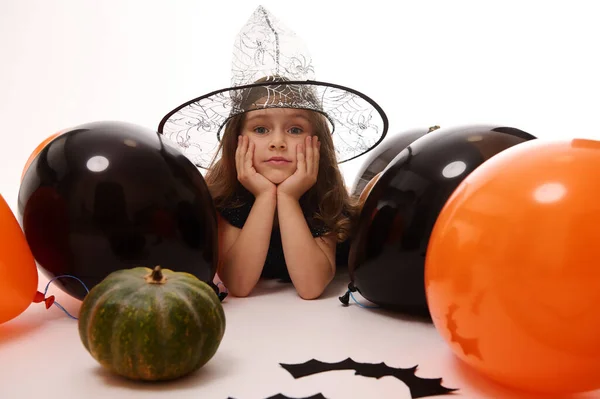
(468, 345)
(423, 387)
(313, 366)
(282, 396)
(419, 387)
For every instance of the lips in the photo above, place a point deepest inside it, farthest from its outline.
(277, 160)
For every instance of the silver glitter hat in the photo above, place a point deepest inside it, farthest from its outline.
(272, 68)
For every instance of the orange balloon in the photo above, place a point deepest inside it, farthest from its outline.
(364, 194)
(512, 270)
(37, 150)
(18, 271)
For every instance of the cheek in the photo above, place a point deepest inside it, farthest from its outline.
(259, 151)
(251, 140)
(297, 142)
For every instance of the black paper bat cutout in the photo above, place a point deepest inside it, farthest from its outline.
(469, 346)
(418, 387)
(282, 396)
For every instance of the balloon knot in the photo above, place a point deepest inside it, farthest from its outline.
(345, 299)
(351, 287)
(39, 297)
(221, 294)
(49, 301)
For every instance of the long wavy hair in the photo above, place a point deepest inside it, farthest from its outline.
(328, 197)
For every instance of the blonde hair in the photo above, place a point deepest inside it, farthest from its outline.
(334, 206)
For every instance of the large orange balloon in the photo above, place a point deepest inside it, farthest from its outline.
(367, 190)
(18, 271)
(37, 150)
(513, 267)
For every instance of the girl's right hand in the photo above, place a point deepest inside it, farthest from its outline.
(253, 181)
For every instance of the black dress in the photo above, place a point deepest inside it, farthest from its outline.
(275, 266)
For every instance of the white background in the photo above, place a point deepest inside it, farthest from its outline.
(530, 65)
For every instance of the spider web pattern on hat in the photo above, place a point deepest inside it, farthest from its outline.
(265, 47)
(267, 52)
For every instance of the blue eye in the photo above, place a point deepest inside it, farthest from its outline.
(296, 130)
(260, 129)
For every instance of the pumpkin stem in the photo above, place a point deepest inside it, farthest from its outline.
(156, 277)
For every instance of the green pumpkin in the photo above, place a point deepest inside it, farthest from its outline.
(151, 325)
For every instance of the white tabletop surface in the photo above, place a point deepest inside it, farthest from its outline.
(41, 355)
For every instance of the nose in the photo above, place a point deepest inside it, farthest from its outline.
(277, 141)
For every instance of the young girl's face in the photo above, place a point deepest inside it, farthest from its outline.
(275, 133)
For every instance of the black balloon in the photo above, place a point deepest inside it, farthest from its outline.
(106, 196)
(378, 158)
(387, 253)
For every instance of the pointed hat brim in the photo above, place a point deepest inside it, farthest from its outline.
(358, 123)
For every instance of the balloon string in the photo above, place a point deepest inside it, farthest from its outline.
(49, 301)
(345, 299)
(360, 304)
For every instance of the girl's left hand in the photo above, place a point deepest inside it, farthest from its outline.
(307, 169)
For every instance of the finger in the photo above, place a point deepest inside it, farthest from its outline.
(309, 155)
(249, 155)
(238, 156)
(244, 157)
(244, 152)
(300, 159)
(316, 155)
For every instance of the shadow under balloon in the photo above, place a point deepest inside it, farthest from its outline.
(17, 329)
(389, 313)
(208, 374)
(33, 320)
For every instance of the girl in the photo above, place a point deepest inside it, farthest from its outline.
(282, 201)
(272, 143)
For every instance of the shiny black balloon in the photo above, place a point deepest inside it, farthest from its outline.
(387, 253)
(106, 196)
(378, 158)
